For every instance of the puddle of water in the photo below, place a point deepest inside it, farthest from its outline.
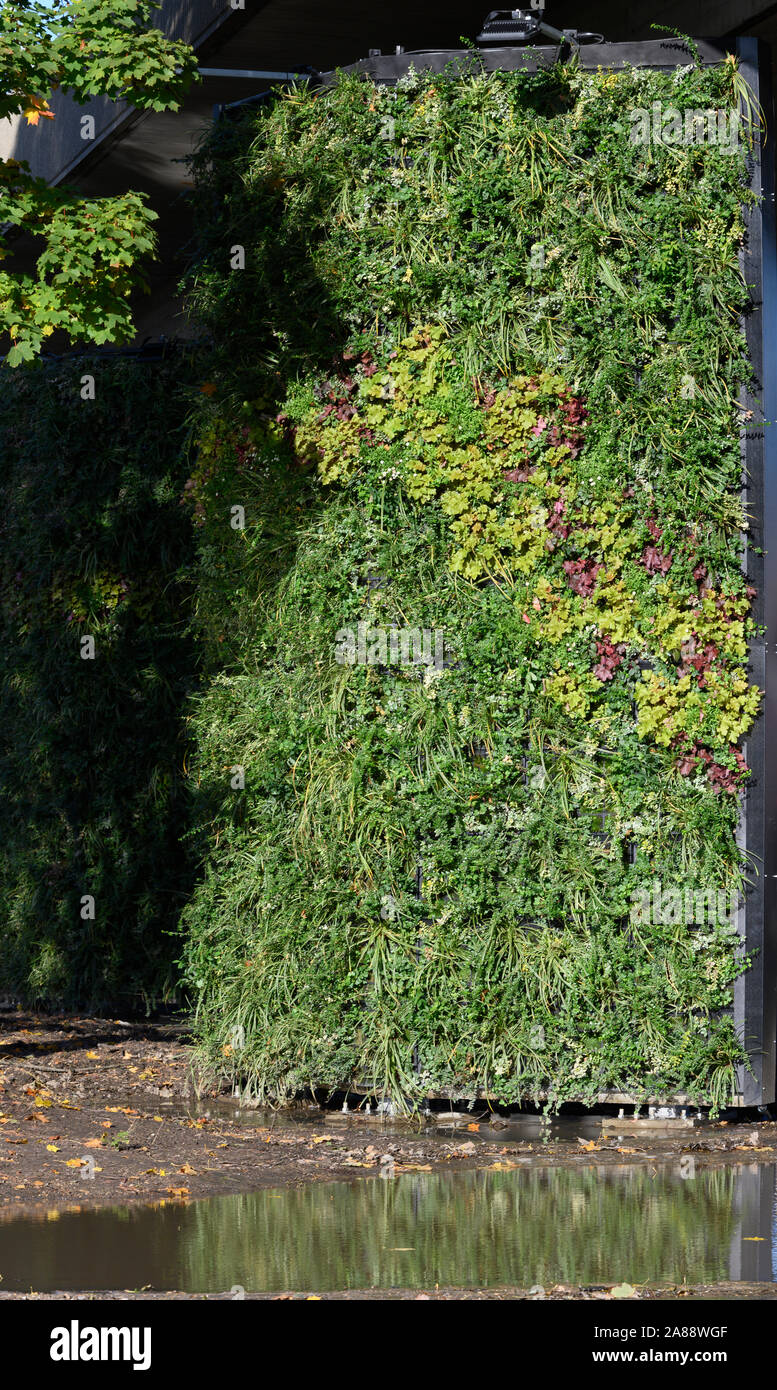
(476, 1229)
(479, 1125)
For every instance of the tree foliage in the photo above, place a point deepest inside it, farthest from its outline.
(92, 248)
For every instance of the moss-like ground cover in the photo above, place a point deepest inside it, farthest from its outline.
(478, 377)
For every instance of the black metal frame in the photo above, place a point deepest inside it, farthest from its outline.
(653, 53)
(755, 995)
(755, 992)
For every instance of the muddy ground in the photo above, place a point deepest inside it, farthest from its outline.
(97, 1112)
(100, 1112)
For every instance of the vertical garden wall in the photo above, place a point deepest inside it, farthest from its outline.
(473, 586)
(94, 864)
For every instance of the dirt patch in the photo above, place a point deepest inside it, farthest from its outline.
(97, 1112)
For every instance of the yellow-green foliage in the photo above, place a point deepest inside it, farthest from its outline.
(482, 455)
(417, 406)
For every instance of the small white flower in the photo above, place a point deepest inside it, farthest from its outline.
(410, 82)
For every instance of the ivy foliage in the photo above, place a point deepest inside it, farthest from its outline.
(478, 377)
(92, 248)
(92, 799)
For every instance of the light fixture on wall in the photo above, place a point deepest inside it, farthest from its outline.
(506, 28)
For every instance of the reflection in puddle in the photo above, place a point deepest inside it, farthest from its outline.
(473, 1229)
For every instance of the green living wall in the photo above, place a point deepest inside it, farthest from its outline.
(475, 376)
(93, 542)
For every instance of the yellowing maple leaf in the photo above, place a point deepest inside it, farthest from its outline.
(35, 109)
